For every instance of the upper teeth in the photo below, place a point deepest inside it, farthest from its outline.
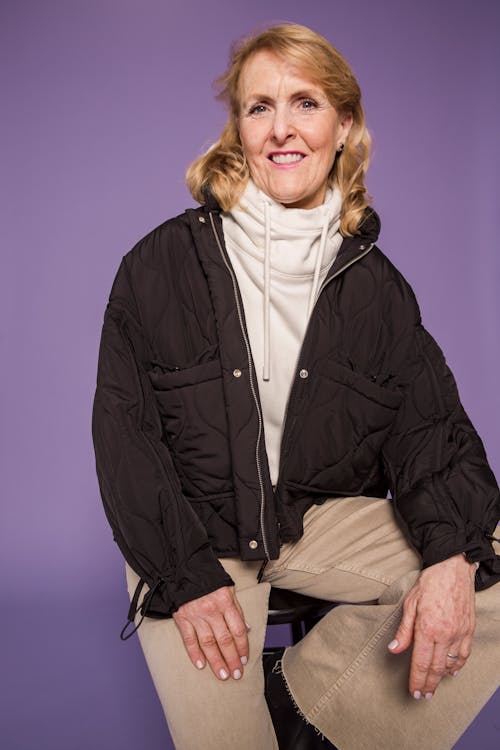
(286, 158)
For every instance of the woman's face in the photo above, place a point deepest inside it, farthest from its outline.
(289, 131)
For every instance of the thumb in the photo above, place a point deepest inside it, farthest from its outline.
(404, 634)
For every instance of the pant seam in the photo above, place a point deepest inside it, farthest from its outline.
(313, 570)
(313, 712)
(365, 573)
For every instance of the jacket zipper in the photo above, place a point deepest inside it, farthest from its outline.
(322, 287)
(252, 388)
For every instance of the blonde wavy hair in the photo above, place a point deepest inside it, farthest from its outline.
(223, 168)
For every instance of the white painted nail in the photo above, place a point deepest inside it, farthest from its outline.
(455, 673)
(199, 664)
(223, 674)
(417, 695)
(248, 626)
(428, 696)
(393, 644)
(236, 674)
(244, 660)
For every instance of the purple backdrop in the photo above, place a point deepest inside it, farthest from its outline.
(105, 102)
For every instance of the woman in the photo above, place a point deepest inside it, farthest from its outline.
(264, 380)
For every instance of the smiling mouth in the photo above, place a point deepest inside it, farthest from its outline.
(289, 158)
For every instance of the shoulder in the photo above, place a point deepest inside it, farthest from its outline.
(161, 246)
(384, 281)
(156, 263)
(395, 292)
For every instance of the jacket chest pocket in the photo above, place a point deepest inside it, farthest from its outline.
(192, 409)
(344, 425)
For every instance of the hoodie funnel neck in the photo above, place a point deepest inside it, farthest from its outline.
(285, 242)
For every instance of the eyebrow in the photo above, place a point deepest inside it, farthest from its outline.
(312, 93)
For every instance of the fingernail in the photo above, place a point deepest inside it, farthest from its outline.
(199, 664)
(417, 695)
(236, 674)
(223, 674)
(243, 660)
(428, 696)
(455, 673)
(248, 626)
(393, 644)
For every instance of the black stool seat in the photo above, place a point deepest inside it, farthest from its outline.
(299, 611)
(289, 606)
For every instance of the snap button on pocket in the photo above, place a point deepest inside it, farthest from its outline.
(253, 544)
(237, 373)
(304, 374)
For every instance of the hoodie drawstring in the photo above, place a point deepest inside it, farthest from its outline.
(267, 292)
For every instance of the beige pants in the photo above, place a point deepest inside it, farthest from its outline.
(341, 675)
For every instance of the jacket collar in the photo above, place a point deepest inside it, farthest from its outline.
(368, 230)
(351, 249)
(355, 247)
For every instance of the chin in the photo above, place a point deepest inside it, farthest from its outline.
(297, 197)
(301, 201)
(290, 198)
(293, 203)
(286, 198)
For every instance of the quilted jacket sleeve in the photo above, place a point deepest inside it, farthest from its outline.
(444, 491)
(153, 524)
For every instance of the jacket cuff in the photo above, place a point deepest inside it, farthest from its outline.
(200, 575)
(472, 542)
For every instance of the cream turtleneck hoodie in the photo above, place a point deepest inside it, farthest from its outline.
(280, 257)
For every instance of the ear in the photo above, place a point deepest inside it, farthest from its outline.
(345, 125)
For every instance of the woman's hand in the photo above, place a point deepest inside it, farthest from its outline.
(439, 617)
(213, 629)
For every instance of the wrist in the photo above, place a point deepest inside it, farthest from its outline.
(458, 560)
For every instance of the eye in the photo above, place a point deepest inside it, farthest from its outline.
(257, 109)
(308, 104)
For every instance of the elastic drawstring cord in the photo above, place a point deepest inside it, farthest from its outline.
(134, 609)
(267, 293)
(317, 268)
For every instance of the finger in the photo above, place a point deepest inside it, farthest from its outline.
(227, 643)
(453, 657)
(190, 640)
(210, 646)
(236, 624)
(463, 651)
(437, 670)
(421, 660)
(462, 648)
(238, 607)
(404, 634)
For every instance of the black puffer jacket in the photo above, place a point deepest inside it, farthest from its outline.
(178, 429)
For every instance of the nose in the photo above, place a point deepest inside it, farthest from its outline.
(283, 127)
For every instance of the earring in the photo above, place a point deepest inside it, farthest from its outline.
(340, 148)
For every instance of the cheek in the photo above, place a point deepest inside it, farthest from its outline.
(320, 136)
(252, 138)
